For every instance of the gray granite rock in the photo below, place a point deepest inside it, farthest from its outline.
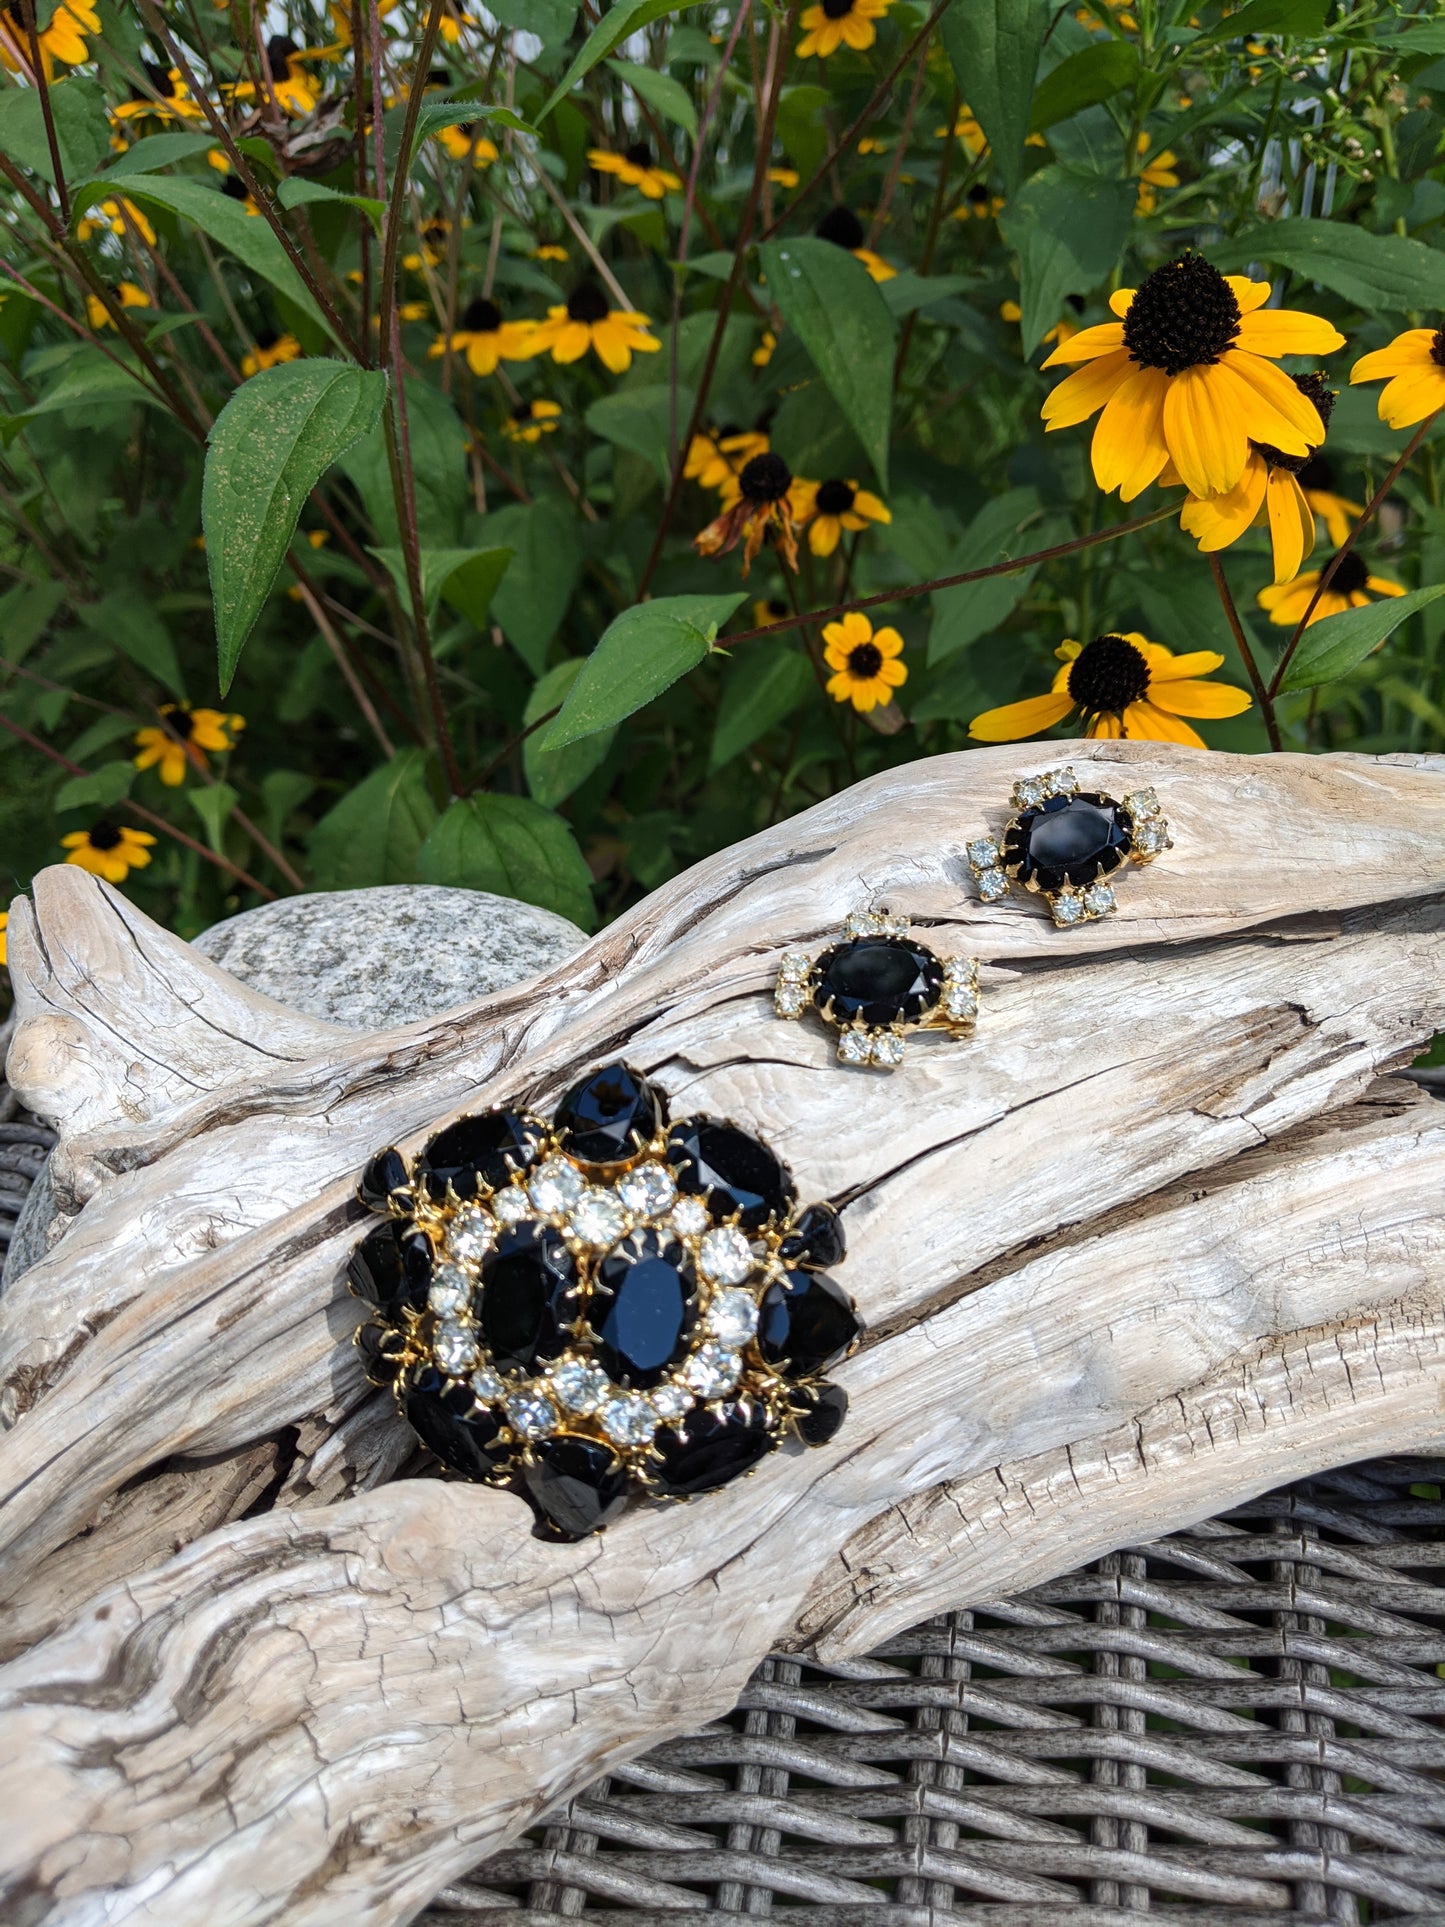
(369, 959)
(372, 959)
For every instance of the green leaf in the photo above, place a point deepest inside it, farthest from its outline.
(1092, 74)
(550, 20)
(297, 191)
(375, 834)
(641, 653)
(128, 620)
(907, 291)
(1068, 229)
(159, 150)
(25, 613)
(267, 449)
(1272, 16)
(616, 25)
(213, 803)
(762, 688)
(81, 130)
(640, 419)
(803, 126)
(91, 379)
(465, 579)
(225, 221)
(102, 789)
(1374, 271)
(538, 585)
(460, 111)
(553, 774)
(1006, 526)
(993, 48)
(831, 302)
(1331, 648)
(668, 96)
(439, 469)
(1427, 38)
(513, 847)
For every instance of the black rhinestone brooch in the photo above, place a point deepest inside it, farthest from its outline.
(1066, 844)
(876, 982)
(606, 1305)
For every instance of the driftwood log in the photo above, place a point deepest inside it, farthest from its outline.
(1164, 1233)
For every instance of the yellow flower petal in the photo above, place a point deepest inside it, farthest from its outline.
(1410, 397)
(1382, 585)
(1119, 301)
(1249, 294)
(1144, 723)
(1285, 331)
(1205, 427)
(1085, 391)
(1291, 524)
(1408, 351)
(1217, 520)
(1195, 662)
(1275, 410)
(1192, 698)
(888, 642)
(1129, 448)
(1013, 720)
(1106, 338)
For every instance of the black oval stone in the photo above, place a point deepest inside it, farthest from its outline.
(444, 1421)
(391, 1267)
(877, 980)
(1069, 839)
(711, 1446)
(379, 1347)
(577, 1486)
(817, 1240)
(806, 1323)
(642, 1308)
(732, 1171)
(821, 1410)
(610, 1116)
(481, 1151)
(529, 1296)
(385, 1173)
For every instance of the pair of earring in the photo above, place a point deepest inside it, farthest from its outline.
(876, 982)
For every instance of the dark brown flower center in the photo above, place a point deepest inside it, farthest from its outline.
(640, 154)
(766, 478)
(865, 659)
(522, 412)
(280, 49)
(1313, 388)
(978, 194)
(180, 722)
(835, 498)
(1437, 348)
(160, 79)
(1183, 316)
(587, 303)
(837, 9)
(777, 606)
(103, 835)
(841, 225)
(1352, 574)
(1107, 675)
(482, 317)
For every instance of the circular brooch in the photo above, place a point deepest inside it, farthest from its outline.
(875, 983)
(604, 1305)
(1066, 843)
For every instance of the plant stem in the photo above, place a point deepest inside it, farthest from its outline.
(1236, 627)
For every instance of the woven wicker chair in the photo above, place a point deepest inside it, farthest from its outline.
(1243, 1723)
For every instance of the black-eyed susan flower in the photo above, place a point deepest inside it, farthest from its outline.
(109, 851)
(549, 251)
(63, 37)
(759, 507)
(235, 189)
(118, 214)
(1336, 511)
(529, 421)
(270, 349)
(1269, 490)
(485, 338)
(168, 101)
(763, 353)
(1351, 587)
(1415, 363)
(966, 129)
(841, 226)
(585, 321)
(469, 142)
(1123, 686)
(1062, 329)
(839, 23)
(978, 204)
(864, 660)
(870, 145)
(783, 176)
(768, 610)
(125, 292)
(635, 167)
(829, 507)
(295, 90)
(451, 26)
(1160, 172)
(413, 310)
(1187, 375)
(183, 738)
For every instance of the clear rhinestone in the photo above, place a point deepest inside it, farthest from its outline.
(450, 1290)
(983, 854)
(597, 1218)
(1063, 782)
(1068, 907)
(455, 1350)
(647, 1190)
(628, 1421)
(1098, 899)
(960, 1001)
(1142, 803)
(1150, 838)
(512, 1205)
(732, 1317)
(1029, 791)
(725, 1256)
(532, 1414)
(670, 1400)
(794, 963)
(790, 999)
(862, 923)
(579, 1386)
(896, 926)
(690, 1216)
(853, 1047)
(556, 1186)
(471, 1235)
(992, 884)
(487, 1384)
(887, 1049)
(712, 1370)
(960, 970)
